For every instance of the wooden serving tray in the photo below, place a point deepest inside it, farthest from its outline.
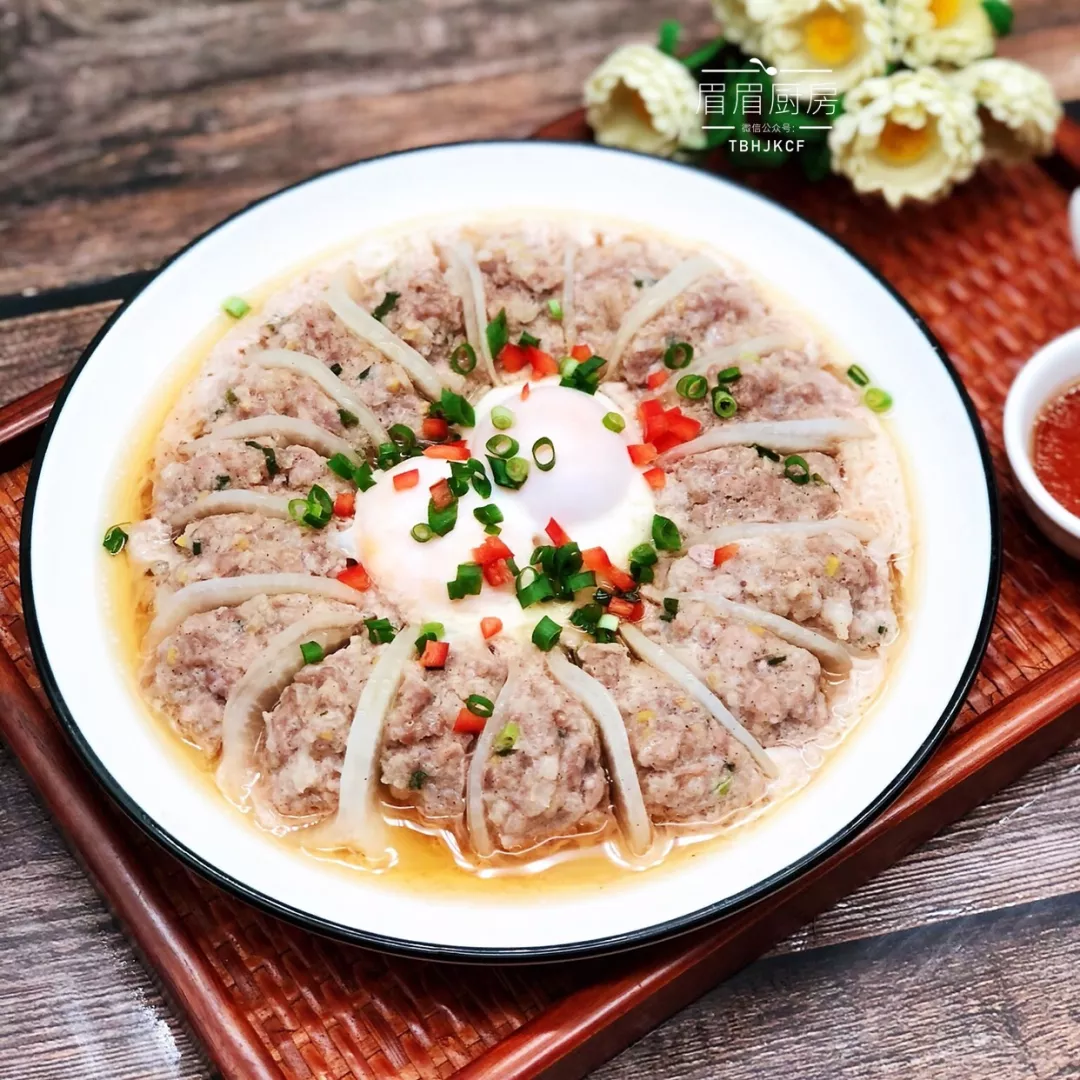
(991, 272)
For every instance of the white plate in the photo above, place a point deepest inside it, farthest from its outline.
(114, 382)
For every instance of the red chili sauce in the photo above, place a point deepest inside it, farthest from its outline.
(1056, 447)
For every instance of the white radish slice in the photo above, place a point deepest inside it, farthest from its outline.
(234, 501)
(315, 370)
(568, 318)
(358, 824)
(756, 346)
(783, 436)
(366, 327)
(831, 653)
(653, 300)
(749, 530)
(661, 658)
(295, 432)
(261, 685)
(228, 592)
(475, 817)
(474, 302)
(598, 702)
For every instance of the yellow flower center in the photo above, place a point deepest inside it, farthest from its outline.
(899, 144)
(944, 11)
(829, 37)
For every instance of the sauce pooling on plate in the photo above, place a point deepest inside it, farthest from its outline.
(1057, 447)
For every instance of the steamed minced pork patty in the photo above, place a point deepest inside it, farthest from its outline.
(260, 607)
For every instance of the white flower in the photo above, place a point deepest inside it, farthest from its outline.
(941, 31)
(1017, 106)
(741, 20)
(850, 39)
(913, 134)
(641, 99)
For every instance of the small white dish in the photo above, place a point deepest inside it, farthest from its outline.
(1049, 371)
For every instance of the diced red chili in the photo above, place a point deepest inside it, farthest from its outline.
(618, 606)
(490, 626)
(468, 723)
(434, 654)
(656, 379)
(722, 554)
(513, 357)
(581, 352)
(684, 428)
(557, 533)
(656, 478)
(542, 363)
(595, 558)
(356, 577)
(638, 613)
(497, 573)
(525, 391)
(441, 495)
(448, 452)
(434, 428)
(345, 504)
(642, 453)
(490, 550)
(405, 480)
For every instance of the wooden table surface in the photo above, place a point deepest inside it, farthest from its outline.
(127, 127)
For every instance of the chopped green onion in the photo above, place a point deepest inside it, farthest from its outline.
(665, 534)
(796, 469)
(402, 435)
(502, 418)
(500, 473)
(668, 38)
(315, 511)
(555, 310)
(222, 482)
(533, 588)
(583, 579)
(365, 373)
(679, 355)
(505, 740)
(417, 779)
(480, 482)
(463, 359)
(479, 705)
(585, 376)
(502, 446)
(348, 419)
(268, 454)
(693, 387)
(729, 374)
(335, 369)
(607, 621)
(671, 609)
(236, 306)
(196, 547)
(568, 365)
(456, 409)
(386, 305)
(230, 397)
(498, 334)
(441, 521)
(858, 376)
(644, 554)
(517, 469)
(459, 478)
(361, 475)
(468, 581)
(877, 399)
(723, 786)
(380, 631)
(488, 515)
(528, 339)
(312, 652)
(545, 634)
(435, 628)
(543, 453)
(387, 455)
(723, 404)
(421, 533)
(614, 422)
(765, 452)
(115, 539)
(492, 530)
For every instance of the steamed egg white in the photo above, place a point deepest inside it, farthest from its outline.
(593, 491)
